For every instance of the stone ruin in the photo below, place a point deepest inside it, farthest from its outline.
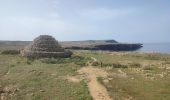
(45, 46)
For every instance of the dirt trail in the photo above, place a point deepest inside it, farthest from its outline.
(97, 91)
(94, 59)
(90, 73)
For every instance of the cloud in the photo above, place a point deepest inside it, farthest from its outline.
(104, 13)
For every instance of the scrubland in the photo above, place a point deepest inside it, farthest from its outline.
(130, 76)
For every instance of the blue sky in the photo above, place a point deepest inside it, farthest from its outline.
(122, 20)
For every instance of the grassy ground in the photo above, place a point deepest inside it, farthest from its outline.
(23, 79)
(135, 76)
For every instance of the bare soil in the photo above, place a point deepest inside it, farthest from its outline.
(97, 91)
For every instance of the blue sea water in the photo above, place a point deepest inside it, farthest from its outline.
(156, 47)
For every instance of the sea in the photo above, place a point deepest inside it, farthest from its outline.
(155, 47)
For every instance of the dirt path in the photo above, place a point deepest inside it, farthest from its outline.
(97, 91)
(90, 74)
(94, 59)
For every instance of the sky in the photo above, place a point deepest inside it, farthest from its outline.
(139, 21)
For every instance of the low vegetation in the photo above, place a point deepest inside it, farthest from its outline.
(10, 52)
(132, 76)
(38, 79)
(135, 76)
(78, 60)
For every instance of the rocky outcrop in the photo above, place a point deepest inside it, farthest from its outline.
(110, 47)
(119, 47)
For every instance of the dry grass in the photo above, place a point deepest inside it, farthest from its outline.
(24, 79)
(133, 76)
(145, 77)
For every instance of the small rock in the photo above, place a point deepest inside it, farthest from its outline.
(42, 90)
(110, 79)
(3, 96)
(106, 81)
(39, 73)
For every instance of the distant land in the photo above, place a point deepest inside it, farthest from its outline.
(110, 45)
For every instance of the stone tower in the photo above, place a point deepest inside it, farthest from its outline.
(45, 46)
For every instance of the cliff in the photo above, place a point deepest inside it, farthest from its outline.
(110, 45)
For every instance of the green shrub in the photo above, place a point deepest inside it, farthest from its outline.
(18, 62)
(49, 60)
(119, 66)
(116, 65)
(166, 62)
(29, 61)
(147, 68)
(12, 65)
(10, 52)
(96, 63)
(152, 57)
(78, 60)
(135, 65)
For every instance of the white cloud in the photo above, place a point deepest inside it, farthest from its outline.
(104, 13)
